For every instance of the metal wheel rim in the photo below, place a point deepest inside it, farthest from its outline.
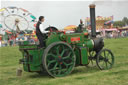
(56, 67)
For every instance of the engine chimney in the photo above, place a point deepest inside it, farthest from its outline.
(92, 20)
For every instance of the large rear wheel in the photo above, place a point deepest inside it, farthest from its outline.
(58, 59)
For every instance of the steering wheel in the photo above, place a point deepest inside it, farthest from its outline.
(51, 29)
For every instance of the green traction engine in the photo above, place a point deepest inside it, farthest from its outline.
(64, 51)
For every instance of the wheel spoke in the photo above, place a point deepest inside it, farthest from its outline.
(70, 64)
(52, 55)
(107, 55)
(67, 56)
(54, 68)
(106, 64)
(57, 49)
(64, 70)
(101, 63)
(62, 47)
(104, 54)
(60, 68)
(64, 58)
(65, 64)
(50, 62)
(62, 53)
(109, 62)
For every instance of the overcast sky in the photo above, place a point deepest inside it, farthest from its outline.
(63, 13)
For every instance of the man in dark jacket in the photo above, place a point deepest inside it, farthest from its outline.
(40, 31)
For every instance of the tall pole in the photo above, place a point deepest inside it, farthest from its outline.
(93, 20)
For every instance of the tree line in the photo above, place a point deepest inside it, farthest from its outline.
(121, 23)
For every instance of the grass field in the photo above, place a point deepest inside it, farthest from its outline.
(118, 75)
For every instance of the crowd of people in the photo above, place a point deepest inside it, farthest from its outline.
(116, 34)
(16, 41)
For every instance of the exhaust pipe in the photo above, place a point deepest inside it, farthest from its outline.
(93, 20)
(98, 42)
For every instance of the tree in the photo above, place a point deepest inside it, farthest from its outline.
(125, 21)
(118, 24)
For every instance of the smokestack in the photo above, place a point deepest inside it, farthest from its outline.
(93, 20)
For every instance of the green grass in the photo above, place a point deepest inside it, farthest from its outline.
(118, 75)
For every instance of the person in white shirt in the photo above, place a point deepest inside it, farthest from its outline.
(40, 31)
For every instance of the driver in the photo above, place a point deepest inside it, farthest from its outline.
(40, 32)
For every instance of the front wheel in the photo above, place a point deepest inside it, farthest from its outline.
(58, 59)
(105, 59)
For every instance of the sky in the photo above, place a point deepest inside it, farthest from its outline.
(63, 13)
